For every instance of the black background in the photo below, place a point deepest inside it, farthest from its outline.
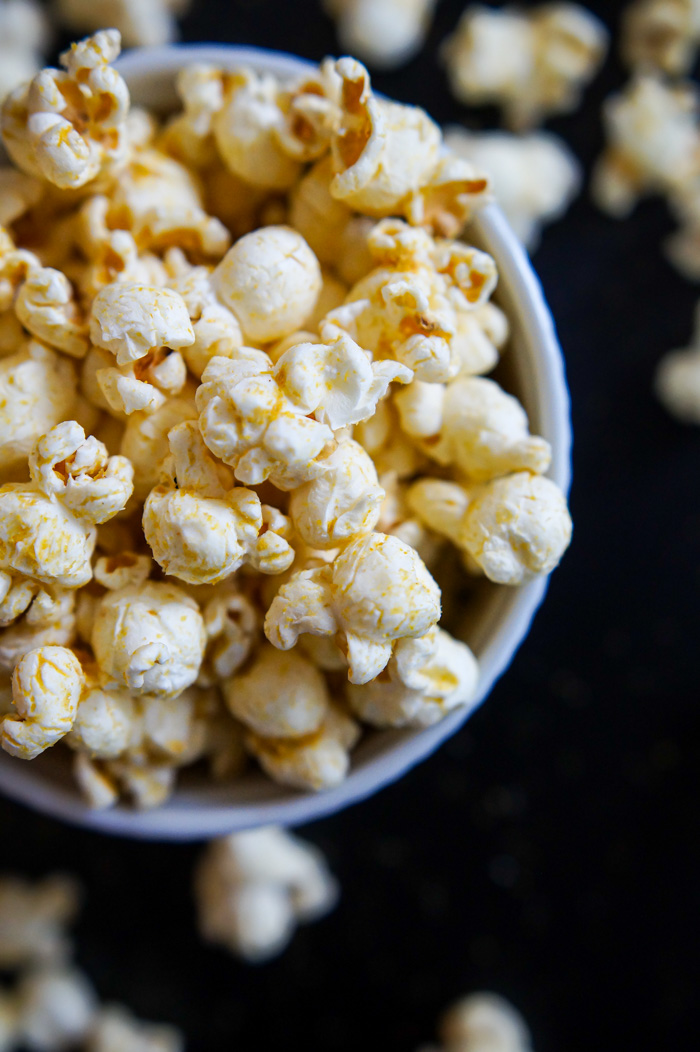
(550, 850)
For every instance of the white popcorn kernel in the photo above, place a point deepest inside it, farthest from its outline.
(98, 789)
(534, 178)
(148, 785)
(532, 63)
(661, 35)
(253, 888)
(247, 421)
(383, 33)
(148, 639)
(382, 151)
(425, 680)
(37, 391)
(233, 626)
(652, 132)
(201, 528)
(271, 280)
(69, 127)
(314, 763)
(319, 217)
(448, 199)
(57, 1007)
(132, 320)
(375, 592)
(278, 695)
(120, 571)
(46, 307)
(247, 132)
(104, 722)
(115, 1029)
(484, 1022)
(310, 108)
(480, 335)
(217, 332)
(34, 918)
(18, 192)
(484, 432)
(340, 505)
(46, 687)
(677, 381)
(141, 23)
(48, 621)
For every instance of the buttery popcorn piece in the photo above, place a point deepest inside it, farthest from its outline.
(49, 620)
(200, 527)
(253, 888)
(34, 919)
(278, 695)
(532, 63)
(661, 35)
(534, 177)
(383, 33)
(484, 1022)
(46, 687)
(376, 592)
(141, 23)
(68, 126)
(148, 639)
(133, 320)
(233, 626)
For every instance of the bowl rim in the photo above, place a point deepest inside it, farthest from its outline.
(183, 819)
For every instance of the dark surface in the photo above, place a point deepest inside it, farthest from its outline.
(550, 851)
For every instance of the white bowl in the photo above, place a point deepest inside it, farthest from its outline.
(496, 628)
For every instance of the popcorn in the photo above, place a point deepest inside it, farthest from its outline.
(57, 1008)
(383, 33)
(342, 504)
(33, 919)
(145, 440)
(253, 888)
(382, 151)
(133, 320)
(652, 130)
(46, 688)
(48, 621)
(532, 63)
(233, 626)
(37, 390)
(481, 430)
(661, 35)
(24, 33)
(67, 126)
(116, 1030)
(217, 332)
(278, 695)
(201, 528)
(425, 679)
(484, 1022)
(513, 528)
(677, 381)
(46, 306)
(270, 279)
(141, 24)
(47, 526)
(534, 177)
(375, 592)
(148, 639)
(104, 724)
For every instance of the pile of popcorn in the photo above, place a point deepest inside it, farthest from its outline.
(51, 1004)
(242, 416)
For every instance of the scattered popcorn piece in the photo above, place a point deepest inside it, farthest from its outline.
(383, 33)
(68, 126)
(532, 63)
(278, 695)
(47, 526)
(271, 280)
(141, 23)
(481, 430)
(253, 888)
(661, 35)
(513, 528)
(24, 35)
(57, 1008)
(115, 1029)
(148, 639)
(534, 177)
(133, 320)
(677, 380)
(653, 137)
(376, 592)
(343, 503)
(37, 391)
(382, 151)
(34, 918)
(425, 679)
(200, 527)
(46, 688)
(484, 1022)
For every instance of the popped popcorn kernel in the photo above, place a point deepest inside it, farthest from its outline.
(133, 320)
(383, 33)
(57, 1008)
(677, 381)
(34, 919)
(147, 23)
(46, 687)
(278, 695)
(484, 1021)
(661, 35)
(315, 763)
(115, 1029)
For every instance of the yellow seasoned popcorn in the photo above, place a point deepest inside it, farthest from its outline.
(532, 63)
(661, 35)
(243, 414)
